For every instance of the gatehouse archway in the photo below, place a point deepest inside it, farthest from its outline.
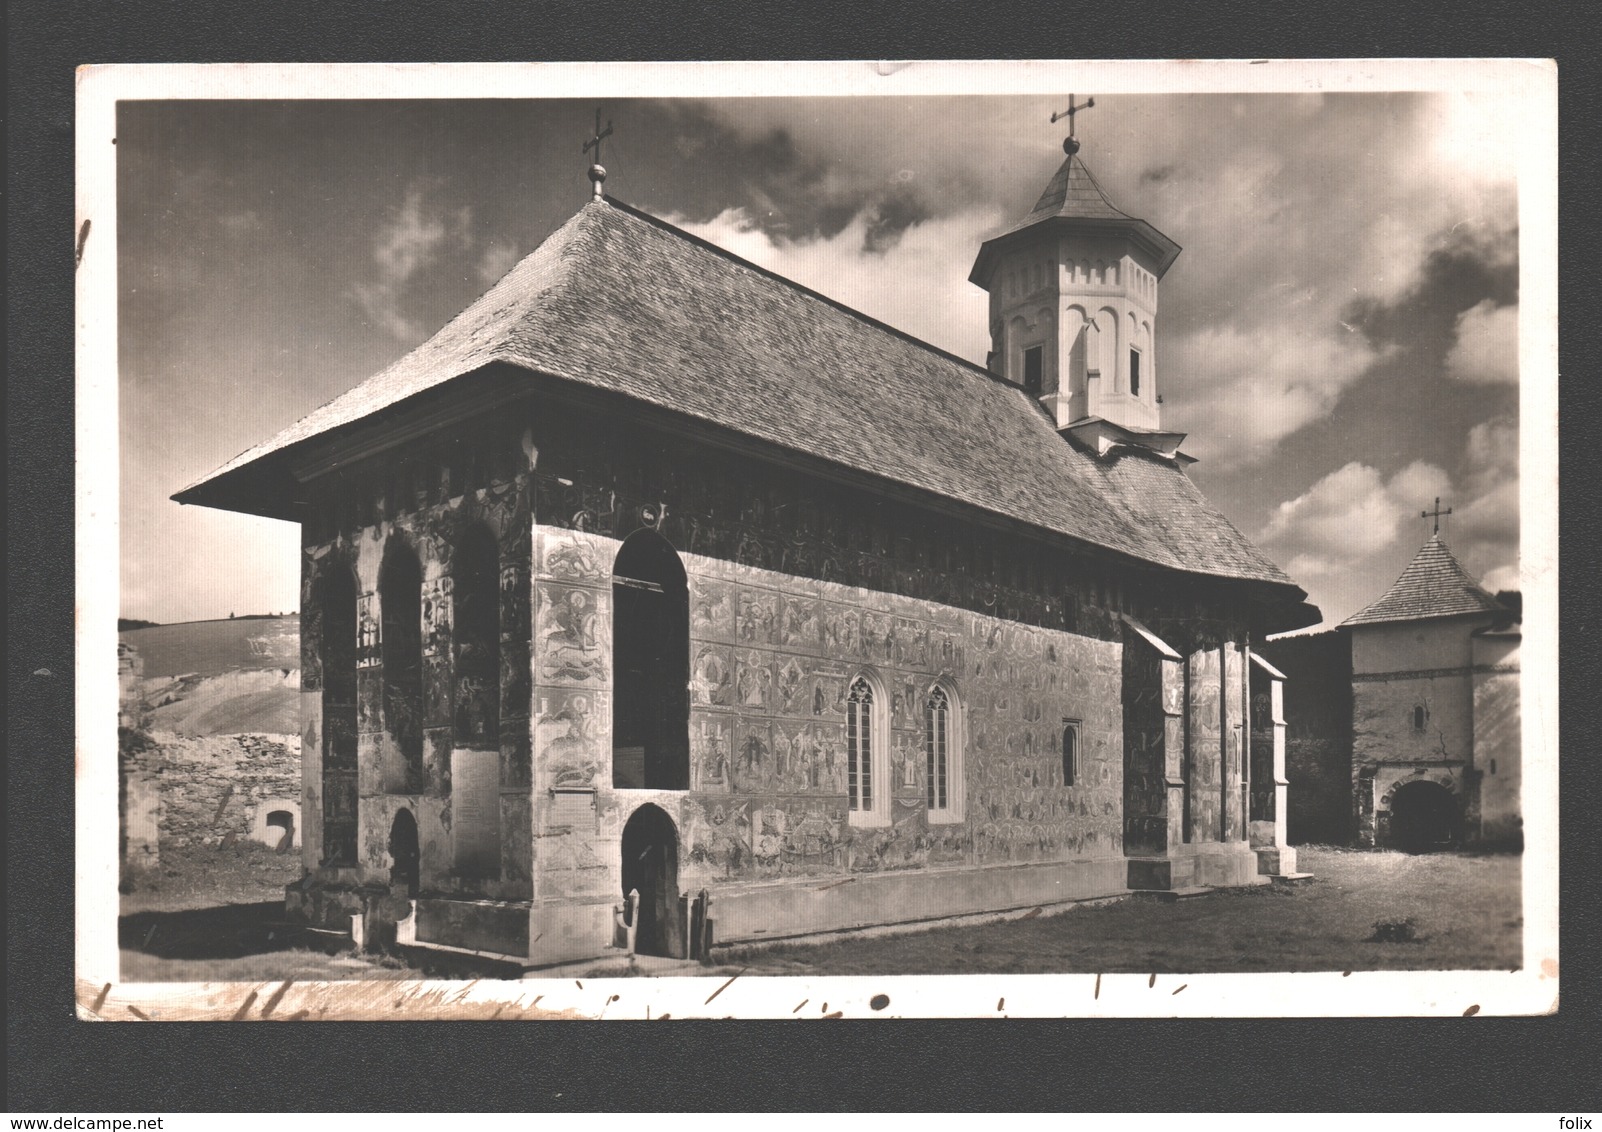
(651, 868)
(1424, 818)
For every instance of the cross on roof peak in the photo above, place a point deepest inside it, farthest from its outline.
(1435, 514)
(1070, 144)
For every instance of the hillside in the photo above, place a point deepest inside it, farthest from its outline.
(220, 677)
(209, 648)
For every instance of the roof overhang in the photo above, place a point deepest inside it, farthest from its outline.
(1104, 437)
(1160, 248)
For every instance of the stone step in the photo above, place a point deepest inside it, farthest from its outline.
(1289, 878)
(1169, 895)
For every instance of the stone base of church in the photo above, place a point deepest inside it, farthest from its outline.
(1219, 864)
(1276, 860)
(498, 926)
(569, 931)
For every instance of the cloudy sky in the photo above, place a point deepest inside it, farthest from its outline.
(1338, 338)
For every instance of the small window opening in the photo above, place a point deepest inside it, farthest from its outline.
(284, 821)
(1134, 372)
(1032, 375)
(1070, 753)
(1493, 766)
(1420, 716)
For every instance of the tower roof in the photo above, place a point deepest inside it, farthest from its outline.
(1433, 585)
(1074, 197)
(619, 301)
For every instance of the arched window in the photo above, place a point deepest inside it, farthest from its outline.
(475, 607)
(400, 599)
(1420, 717)
(943, 751)
(336, 601)
(1070, 752)
(868, 792)
(650, 666)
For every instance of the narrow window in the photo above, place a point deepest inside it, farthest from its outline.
(937, 741)
(651, 666)
(859, 746)
(1032, 378)
(1493, 766)
(1134, 372)
(1419, 716)
(1070, 753)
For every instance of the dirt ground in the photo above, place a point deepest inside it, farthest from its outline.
(1464, 912)
(217, 915)
(208, 914)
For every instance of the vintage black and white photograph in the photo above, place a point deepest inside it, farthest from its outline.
(621, 541)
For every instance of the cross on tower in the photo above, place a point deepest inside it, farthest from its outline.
(1071, 111)
(597, 170)
(1435, 514)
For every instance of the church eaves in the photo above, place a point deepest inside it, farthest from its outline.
(620, 301)
(1433, 585)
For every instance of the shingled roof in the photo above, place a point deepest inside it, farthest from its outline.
(1433, 585)
(1074, 197)
(618, 300)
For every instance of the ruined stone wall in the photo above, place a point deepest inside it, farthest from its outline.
(210, 788)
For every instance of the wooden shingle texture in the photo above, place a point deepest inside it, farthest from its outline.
(618, 300)
(1433, 585)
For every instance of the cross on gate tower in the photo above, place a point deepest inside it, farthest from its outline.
(1435, 514)
(597, 170)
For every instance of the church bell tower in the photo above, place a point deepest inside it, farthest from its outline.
(1073, 305)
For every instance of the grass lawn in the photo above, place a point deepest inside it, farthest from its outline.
(1465, 913)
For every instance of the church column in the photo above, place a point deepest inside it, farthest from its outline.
(1232, 728)
(1204, 743)
(1270, 787)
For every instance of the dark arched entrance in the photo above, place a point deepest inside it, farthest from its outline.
(285, 821)
(1424, 818)
(651, 867)
(403, 851)
(650, 666)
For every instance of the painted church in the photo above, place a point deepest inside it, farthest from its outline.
(658, 602)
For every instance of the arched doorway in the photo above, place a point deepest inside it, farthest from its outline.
(651, 867)
(1424, 818)
(404, 854)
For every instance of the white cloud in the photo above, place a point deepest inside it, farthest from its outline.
(496, 261)
(407, 243)
(1242, 391)
(919, 285)
(1485, 528)
(1349, 516)
(1487, 348)
(1354, 521)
